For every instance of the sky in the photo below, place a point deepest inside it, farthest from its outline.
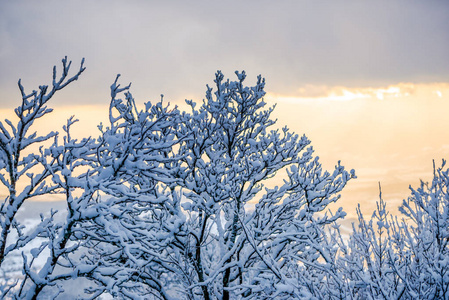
(366, 81)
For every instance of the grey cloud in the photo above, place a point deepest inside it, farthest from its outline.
(174, 47)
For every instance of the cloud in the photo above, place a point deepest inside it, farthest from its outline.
(175, 47)
(342, 93)
(392, 140)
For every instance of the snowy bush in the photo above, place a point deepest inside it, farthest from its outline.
(213, 203)
(166, 204)
(402, 258)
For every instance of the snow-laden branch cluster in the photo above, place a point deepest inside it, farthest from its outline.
(408, 258)
(16, 168)
(213, 203)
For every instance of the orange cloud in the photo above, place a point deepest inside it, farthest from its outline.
(388, 134)
(341, 93)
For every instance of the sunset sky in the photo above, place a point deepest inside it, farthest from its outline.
(366, 81)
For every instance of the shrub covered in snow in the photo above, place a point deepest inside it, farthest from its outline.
(213, 203)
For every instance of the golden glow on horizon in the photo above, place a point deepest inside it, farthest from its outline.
(341, 93)
(388, 134)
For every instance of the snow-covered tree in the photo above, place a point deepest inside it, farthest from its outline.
(366, 263)
(392, 258)
(111, 179)
(189, 215)
(422, 254)
(215, 203)
(25, 172)
(16, 163)
(242, 238)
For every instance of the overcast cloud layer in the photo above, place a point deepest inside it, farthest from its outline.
(176, 46)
